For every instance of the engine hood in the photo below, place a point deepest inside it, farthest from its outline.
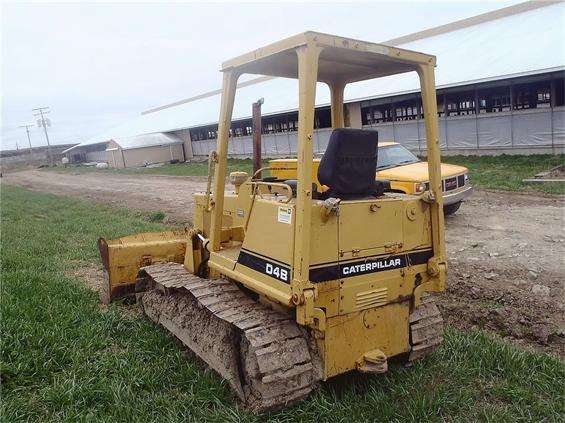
(418, 172)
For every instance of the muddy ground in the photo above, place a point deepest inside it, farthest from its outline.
(506, 250)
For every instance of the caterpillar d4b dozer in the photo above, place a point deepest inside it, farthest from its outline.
(278, 286)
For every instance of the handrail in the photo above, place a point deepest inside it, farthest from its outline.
(272, 168)
(276, 184)
(212, 159)
(259, 171)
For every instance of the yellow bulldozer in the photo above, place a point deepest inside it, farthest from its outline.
(278, 286)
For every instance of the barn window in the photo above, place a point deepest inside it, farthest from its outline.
(532, 95)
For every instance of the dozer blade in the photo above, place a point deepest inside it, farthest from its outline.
(123, 257)
(263, 354)
(426, 329)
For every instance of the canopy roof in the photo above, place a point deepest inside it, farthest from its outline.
(341, 59)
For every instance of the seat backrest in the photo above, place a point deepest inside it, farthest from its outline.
(349, 164)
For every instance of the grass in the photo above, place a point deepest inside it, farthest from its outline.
(177, 169)
(507, 172)
(66, 358)
(157, 216)
(494, 172)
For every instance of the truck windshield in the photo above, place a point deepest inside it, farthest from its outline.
(394, 155)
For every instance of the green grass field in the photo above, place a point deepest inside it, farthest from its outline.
(178, 169)
(496, 172)
(507, 172)
(66, 358)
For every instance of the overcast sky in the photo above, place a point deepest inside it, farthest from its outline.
(97, 65)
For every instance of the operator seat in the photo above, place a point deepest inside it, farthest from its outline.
(349, 165)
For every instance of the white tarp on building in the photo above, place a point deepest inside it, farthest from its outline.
(147, 140)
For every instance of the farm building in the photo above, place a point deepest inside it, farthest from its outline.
(134, 151)
(500, 89)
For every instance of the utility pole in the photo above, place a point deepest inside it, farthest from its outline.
(43, 122)
(29, 140)
(256, 124)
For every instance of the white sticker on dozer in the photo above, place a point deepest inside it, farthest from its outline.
(285, 215)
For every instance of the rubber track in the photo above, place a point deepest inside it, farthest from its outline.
(269, 363)
(426, 329)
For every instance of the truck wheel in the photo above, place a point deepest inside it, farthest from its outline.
(451, 208)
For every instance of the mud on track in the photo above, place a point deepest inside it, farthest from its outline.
(506, 250)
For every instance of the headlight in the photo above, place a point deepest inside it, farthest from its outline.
(420, 187)
(466, 178)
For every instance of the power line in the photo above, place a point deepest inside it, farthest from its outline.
(29, 140)
(42, 121)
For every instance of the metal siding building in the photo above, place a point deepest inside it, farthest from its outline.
(500, 84)
(136, 151)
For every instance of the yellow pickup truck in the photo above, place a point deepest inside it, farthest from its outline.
(406, 173)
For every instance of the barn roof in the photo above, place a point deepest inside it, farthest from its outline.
(137, 141)
(524, 43)
(146, 140)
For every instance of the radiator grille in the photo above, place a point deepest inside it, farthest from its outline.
(372, 298)
(449, 184)
(452, 183)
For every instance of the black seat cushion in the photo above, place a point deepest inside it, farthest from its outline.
(293, 184)
(349, 164)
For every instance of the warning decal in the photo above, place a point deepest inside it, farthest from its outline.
(285, 215)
